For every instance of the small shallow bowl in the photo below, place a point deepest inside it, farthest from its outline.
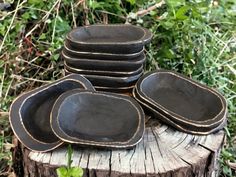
(108, 81)
(184, 100)
(105, 65)
(30, 113)
(119, 38)
(97, 119)
(181, 127)
(96, 55)
(103, 73)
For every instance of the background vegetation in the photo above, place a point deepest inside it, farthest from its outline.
(194, 37)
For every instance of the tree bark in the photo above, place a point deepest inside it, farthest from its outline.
(163, 152)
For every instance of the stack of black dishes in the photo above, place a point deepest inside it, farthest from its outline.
(70, 110)
(110, 56)
(181, 102)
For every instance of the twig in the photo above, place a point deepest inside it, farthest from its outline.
(151, 8)
(86, 13)
(3, 77)
(31, 79)
(73, 14)
(78, 3)
(43, 19)
(105, 18)
(30, 63)
(55, 23)
(3, 114)
(8, 89)
(110, 13)
(9, 27)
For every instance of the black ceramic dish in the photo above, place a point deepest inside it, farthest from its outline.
(109, 38)
(107, 81)
(30, 113)
(97, 119)
(103, 73)
(105, 65)
(184, 100)
(180, 127)
(115, 89)
(96, 55)
(172, 121)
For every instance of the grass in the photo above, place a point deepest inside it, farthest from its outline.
(197, 38)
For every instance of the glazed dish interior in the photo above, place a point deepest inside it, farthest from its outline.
(36, 110)
(95, 117)
(180, 96)
(107, 34)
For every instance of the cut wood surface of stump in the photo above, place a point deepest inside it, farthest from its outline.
(163, 152)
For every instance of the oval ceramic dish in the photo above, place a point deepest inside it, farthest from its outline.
(108, 81)
(120, 38)
(96, 55)
(182, 99)
(103, 73)
(105, 65)
(180, 127)
(30, 113)
(190, 128)
(97, 119)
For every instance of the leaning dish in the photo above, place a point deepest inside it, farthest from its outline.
(183, 99)
(105, 65)
(180, 127)
(30, 112)
(97, 119)
(120, 38)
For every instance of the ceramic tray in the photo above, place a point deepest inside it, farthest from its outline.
(96, 55)
(176, 125)
(30, 112)
(105, 65)
(119, 38)
(182, 99)
(103, 73)
(97, 119)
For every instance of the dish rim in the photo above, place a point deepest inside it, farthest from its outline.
(179, 127)
(130, 62)
(171, 113)
(112, 144)
(29, 94)
(147, 35)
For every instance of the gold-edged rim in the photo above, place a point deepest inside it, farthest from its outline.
(103, 71)
(131, 101)
(137, 41)
(220, 126)
(55, 144)
(121, 55)
(115, 88)
(166, 111)
(141, 59)
(45, 87)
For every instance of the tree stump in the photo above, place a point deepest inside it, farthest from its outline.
(163, 152)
